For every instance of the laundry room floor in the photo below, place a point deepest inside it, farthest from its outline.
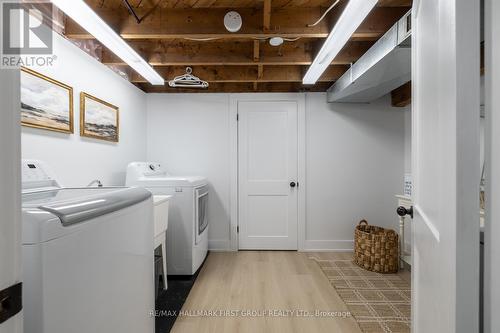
(263, 291)
(378, 302)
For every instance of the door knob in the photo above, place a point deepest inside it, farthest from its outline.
(293, 184)
(403, 211)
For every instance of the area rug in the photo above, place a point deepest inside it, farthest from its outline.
(378, 302)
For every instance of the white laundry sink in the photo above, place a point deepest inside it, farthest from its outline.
(161, 204)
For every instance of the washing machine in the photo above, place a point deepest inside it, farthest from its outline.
(187, 236)
(87, 256)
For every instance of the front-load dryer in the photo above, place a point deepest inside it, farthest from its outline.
(187, 236)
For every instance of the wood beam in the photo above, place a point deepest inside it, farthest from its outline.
(394, 3)
(378, 22)
(267, 15)
(232, 53)
(256, 50)
(239, 87)
(401, 96)
(208, 23)
(235, 74)
(148, 4)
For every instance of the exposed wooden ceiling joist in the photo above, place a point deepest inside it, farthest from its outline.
(401, 97)
(256, 50)
(238, 87)
(266, 13)
(225, 74)
(174, 34)
(208, 24)
(179, 4)
(395, 3)
(232, 54)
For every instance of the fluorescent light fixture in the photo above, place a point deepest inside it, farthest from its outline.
(82, 14)
(352, 17)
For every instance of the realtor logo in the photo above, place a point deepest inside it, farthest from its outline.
(26, 34)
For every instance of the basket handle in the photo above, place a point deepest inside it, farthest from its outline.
(365, 222)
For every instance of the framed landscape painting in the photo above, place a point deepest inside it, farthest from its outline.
(98, 119)
(45, 102)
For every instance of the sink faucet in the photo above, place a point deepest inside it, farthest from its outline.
(97, 181)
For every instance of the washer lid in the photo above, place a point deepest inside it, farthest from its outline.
(73, 206)
(49, 215)
(34, 199)
(82, 209)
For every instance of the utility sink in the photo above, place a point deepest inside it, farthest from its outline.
(161, 205)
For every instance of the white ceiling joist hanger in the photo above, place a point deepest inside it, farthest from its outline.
(187, 81)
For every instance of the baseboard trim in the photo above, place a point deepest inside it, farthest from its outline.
(224, 245)
(328, 245)
(219, 245)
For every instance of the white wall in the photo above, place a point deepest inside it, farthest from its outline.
(355, 160)
(77, 160)
(355, 166)
(189, 134)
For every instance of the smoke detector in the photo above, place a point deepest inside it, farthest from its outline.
(233, 21)
(276, 41)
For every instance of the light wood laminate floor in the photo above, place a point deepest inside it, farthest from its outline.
(260, 281)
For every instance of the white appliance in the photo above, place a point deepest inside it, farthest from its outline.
(187, 236)
(161, 205)
(87, 257)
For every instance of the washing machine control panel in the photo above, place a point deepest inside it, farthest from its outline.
(33, 171)
(36, 175)
(150, 169)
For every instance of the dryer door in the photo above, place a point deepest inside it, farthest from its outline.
(201, 212)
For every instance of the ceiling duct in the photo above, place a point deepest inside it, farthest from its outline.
(383, 68)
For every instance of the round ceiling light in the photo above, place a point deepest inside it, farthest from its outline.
(276, 41)
(233, 21)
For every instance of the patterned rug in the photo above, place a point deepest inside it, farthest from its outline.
(378, 302)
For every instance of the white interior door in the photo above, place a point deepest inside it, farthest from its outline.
(10, 211)
(492, 156)
(268, 171)
(445, 277)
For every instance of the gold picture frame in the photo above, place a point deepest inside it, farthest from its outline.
(99, 119)
(46, 103)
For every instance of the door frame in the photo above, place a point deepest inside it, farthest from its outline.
(492, 161)
(299, 98)
(10, 193)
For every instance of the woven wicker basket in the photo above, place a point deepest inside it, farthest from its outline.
(376, 249)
